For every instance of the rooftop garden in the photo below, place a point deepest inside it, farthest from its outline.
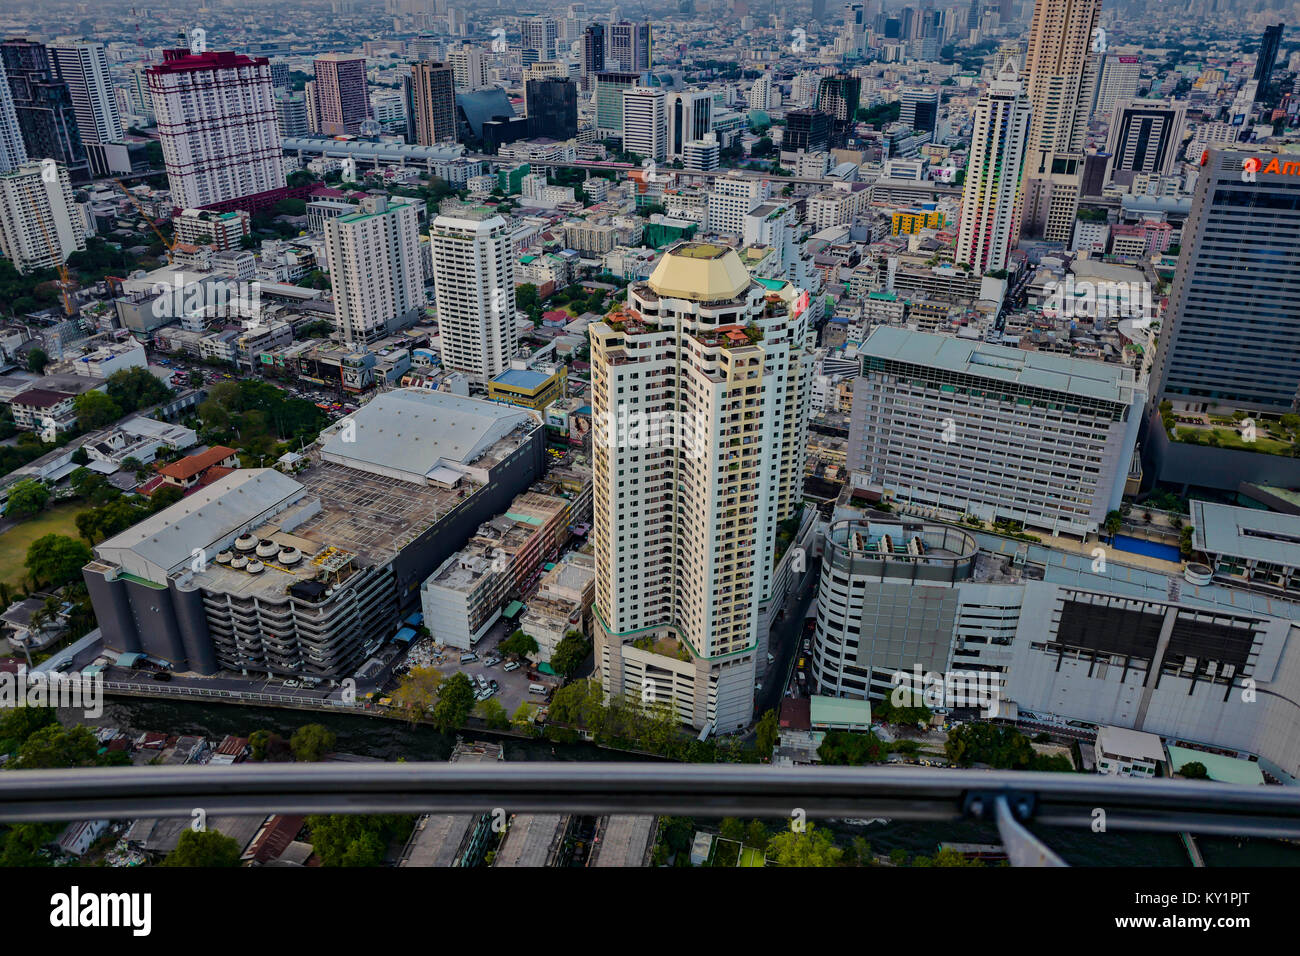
(1265, 434)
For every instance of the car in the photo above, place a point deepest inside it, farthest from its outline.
(162, 675)
(494, 685)
(492, 661)
(482, 681)
(291, 683)
(512, 666)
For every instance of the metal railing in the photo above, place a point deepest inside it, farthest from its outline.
(1008, 799)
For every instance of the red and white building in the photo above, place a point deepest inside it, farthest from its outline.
(216, 121)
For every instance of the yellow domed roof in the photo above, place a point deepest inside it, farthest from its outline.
(700, 271)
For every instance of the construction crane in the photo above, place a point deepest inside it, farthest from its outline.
(170, 244)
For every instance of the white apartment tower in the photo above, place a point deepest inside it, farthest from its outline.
(990, 206)
(39, 225)
(645, 122)
(468, 68)
(84, 67)
(474, 287)
(1060, 75)
(731, 199)
(13, 153)
(374, 259)
(217, 125)
(700, 389)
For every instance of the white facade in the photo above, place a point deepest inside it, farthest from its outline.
(12, 151)
(473, 271)
(645, 122)
(990, 213)
(687, 503)
(374, 259)
(731, 200)
(84, 67)
(39, 224)
(217, 124)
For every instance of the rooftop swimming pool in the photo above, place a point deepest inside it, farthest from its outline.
(1152, 549)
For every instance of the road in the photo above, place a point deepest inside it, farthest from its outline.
(784, 643)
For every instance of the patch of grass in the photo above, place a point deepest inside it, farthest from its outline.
(61, 519)
(1231, 438)
(751, 857)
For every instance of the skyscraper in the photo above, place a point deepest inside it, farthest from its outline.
(1267, 58)
(84, 68)
(1060, 86)
(12, 151)
(539, 35)
(474, 287)
(217, 126)
(468, 69)
(43, 106)
(433, 99)
(342, 99)
(839, 96)
(1230, 333)
(609, 101)
(1118, 79)
(699, 407)
(690, 117)
(919, 108)
(593, 52)
(628, 47)
(374, 258)
(39, 225)
(552, 107)
(645, 122)
(990, 207)
(1146, 134)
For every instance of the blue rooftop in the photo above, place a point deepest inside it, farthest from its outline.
(521, 378)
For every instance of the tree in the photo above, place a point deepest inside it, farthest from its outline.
(1194, 770)
(18, 724)
(351, 840)
(812, 847)
(732, 828)
(569, 654)
(55, 746)
(165, 497)
(37, 359)
(56, 559)
(96, 410)
(768, 733)
(27, 499)
(494, 715)
(80, 456)
(417, 691)
(311, 742)
(267, 745)
(455, 701)
(135, 388)
(1114, 521)
(518, 644)
(207, 848)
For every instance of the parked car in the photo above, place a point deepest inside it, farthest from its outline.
(162, 675)
(492, 661)
(512, 666)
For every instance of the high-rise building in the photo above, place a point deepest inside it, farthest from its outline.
(645, 122)
(12, 151)
(280, 74)
(731, 199)
(704, 155)
(375, 268)
(1146, 134)
(609, 101)
(919, 109)
(539, 34)
(291, 114)
(473, 272)
(699, 409)
(43, 104)
(839, 96)
(1060, 77)
(468, 68)
(690, 117)
(39, 224)
(84, 68)
(1118, 79)
(1267, 59)
(342, 99)
(593, 50)
(628, 47)
(433, 99)
(807, 131)
(552, 104)
(990, 209)
(964, 428)
(1229, 338)
(217, 126)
